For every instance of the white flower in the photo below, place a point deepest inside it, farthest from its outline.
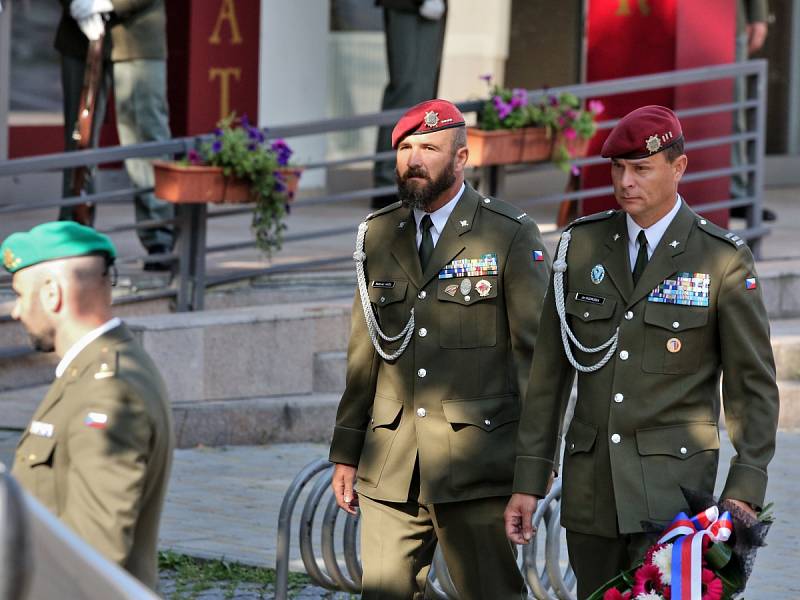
(650, 596)
(662, 559)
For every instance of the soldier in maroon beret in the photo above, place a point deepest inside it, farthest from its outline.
(649, 304)
(450, 289)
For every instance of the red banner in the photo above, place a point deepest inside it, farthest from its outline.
(213, 62)
(635, 37)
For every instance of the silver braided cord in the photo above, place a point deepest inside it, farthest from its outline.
(359, 256)
(559, 268)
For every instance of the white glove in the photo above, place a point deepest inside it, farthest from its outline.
(83, 9)
(430, 9)
(92, 26)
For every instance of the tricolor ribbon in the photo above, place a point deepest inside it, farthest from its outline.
(687, 550)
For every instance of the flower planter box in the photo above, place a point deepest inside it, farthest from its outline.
(290, 177)
(576, 147)
(500, 147)
(537, 144)
(198, 184)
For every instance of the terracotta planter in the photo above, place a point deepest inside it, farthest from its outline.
(576, 147)
(537, 145)
(290, 176)
(500, 147)
(198, 184)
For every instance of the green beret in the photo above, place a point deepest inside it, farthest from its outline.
(51, 241)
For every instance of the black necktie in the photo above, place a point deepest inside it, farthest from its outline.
(641, 258)
(426, 247)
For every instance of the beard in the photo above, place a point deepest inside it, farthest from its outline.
(414, 195)
(42, 342)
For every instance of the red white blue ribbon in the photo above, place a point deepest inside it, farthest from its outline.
(687, 549)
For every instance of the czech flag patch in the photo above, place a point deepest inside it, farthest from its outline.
(538, 256)
(96, 420)
(750, 283)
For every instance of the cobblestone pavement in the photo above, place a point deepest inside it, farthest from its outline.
(224, 503)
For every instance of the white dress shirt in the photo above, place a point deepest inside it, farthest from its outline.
(438, 217)
(654, 233)
(83, 342)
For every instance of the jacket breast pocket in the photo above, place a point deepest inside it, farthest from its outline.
(467, 320)
(578, 497)
(674, 338)
(591, 317)
(38, 453)
(381, 431)
(388, 298)
(673, 457)
(482, 434)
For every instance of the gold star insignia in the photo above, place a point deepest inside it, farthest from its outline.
(653, 144)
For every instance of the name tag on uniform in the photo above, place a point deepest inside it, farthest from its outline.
(42, 429)
(687, 289)
(383, 284)
(588, 298)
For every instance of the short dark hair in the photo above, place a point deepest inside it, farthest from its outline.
(674, 151)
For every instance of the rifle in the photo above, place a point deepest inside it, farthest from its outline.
(84, 125)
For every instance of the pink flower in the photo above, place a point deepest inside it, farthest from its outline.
(712, 586)
(575, 170)
(596, 107)
(570, 133)
(646, 579)
(615, 594)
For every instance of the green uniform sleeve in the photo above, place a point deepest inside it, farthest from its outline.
(362, 374)
(525, 282)
(548, 390)
(750, 394)
(106, 476)
(124, 8)
(756, 11)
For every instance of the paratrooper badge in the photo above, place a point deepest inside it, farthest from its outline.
(483, 288)
(431, 118)
(653, 144)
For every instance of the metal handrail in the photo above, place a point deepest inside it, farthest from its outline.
(546, 581)
(491, 178)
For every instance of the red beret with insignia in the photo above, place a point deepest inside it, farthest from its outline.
(642, 133)
(425, 117)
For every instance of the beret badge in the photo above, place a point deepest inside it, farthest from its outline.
(9, 260)
(653, 144)
(431, 118)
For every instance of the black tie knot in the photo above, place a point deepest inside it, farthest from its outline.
(642, 239)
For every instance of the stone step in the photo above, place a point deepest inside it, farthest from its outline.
(279, 419)
(790, 405)
(329, 371)
(786, 349)
(21, 366)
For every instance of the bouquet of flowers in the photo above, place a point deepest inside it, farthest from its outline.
(706, 557)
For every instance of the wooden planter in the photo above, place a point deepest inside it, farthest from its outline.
(198, 184)
(537, 144)
(500, 147)
(290, 176)
(576, 147)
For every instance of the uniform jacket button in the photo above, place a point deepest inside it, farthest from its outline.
(684, 450)
(675, 324)
(618, 398)
(623, 355)
(423, 332)
(422, 295)
(616, 438)
(628, 315)
(422, 372)
(421, 412)
(487, 422)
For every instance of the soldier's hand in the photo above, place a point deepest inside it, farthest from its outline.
(756, 36)
(519, 518)
(344, 477)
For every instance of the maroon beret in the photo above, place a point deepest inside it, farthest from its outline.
(425, 117)
(642, 133)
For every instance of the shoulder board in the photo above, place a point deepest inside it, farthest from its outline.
(384, 210)
(106, 365)
(504, 208)
(601, 216)
(720, 232)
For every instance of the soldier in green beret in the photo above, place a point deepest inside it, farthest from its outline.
(649, 304)
(443, 330)
(98, 449)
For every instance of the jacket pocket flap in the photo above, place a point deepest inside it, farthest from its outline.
(383, 296)
(580, 437)
(488, 413)
(39, 449)
(385, 411)
(481, 288)
(675, 317)
(590, 307)
(680, 441)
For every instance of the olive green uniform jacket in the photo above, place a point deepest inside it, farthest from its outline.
(98, 451)
(453, 397)
(645, 424)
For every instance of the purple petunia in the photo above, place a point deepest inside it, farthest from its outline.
(245, 121)
(575, 170)
(487, 77)
(503, 108)
(519, 97)
(193, 157)
(282, 152)
(216, 146)
(218, 132)
(570, 133)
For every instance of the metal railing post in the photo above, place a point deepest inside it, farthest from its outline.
(756, 182)
(191, 243)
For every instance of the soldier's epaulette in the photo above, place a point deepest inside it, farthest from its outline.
(606, 214)
(384, 210)
(107, 364)
(504, 208)
(720, 232)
